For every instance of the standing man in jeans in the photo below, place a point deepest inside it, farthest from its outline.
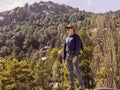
(70, 55)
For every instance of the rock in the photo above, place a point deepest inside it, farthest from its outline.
(106, 89)
(55, 85)
(20, 13)
(106, 54)
(1, 18)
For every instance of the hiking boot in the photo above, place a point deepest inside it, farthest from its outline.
(72, 87)
(81, 88)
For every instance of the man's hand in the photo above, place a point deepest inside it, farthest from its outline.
(74, 59)
(63, 61)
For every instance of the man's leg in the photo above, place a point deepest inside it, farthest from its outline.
(70, 69)
(78, 73)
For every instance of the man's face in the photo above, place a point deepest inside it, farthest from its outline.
(69, 30)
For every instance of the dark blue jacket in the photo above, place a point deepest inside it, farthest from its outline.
(72, 44)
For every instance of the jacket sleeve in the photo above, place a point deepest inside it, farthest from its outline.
(64, 52)
(78, 45)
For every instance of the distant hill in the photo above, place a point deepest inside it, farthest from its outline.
(36, 10)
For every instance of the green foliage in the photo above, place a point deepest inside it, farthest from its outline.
(41, 73)
(85, 59)
(53, 53)
(21, 40)
(15, 74)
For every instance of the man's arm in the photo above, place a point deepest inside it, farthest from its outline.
(78, 43)
(64, 53)
(77, 48)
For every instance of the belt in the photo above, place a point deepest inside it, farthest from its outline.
(71, 52)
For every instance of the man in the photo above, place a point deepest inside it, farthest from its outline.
(70, 55)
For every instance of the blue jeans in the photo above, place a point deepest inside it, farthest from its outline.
(71, 68)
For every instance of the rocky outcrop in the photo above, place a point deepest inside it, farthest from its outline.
(16, 15)
(106, 59)
(20, 14)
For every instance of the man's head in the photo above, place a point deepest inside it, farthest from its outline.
(69, 26)
(70, 29)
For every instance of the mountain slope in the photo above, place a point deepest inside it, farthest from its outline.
(20, 14)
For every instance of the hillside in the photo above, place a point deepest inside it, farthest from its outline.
(32, 33)
(30, 12)
(34, 26)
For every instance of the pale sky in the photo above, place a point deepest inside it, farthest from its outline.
(96, 6)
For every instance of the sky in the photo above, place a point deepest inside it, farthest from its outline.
(96, 6)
